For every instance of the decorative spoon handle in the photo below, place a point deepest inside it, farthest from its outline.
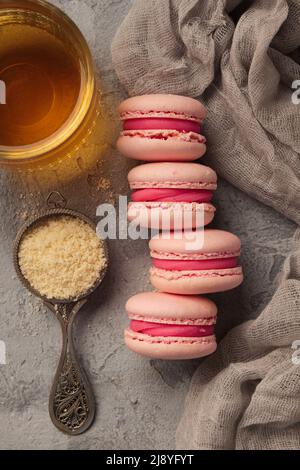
(71, 403)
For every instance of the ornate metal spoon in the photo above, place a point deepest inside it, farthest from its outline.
(71, 403)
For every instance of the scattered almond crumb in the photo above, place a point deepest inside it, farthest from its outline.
(103, 184)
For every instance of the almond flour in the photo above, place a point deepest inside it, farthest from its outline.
(62, 257)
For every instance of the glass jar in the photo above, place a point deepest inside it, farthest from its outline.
(79, 141)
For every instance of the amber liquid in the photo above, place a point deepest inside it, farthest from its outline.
(43, 82)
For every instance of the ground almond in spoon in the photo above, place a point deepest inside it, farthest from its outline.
(61, 257)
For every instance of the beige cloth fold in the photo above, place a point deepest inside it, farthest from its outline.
(241, 58)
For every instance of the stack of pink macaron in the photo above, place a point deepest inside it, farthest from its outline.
(173, 195)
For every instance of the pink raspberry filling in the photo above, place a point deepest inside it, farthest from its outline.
(172, 195)
(142, 124)
(195, 265)
(163, 329)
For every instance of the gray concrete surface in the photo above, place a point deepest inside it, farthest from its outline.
(139, 401)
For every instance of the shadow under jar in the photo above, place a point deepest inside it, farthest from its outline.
(51, 118)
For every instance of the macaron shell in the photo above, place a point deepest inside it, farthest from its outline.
(161, 307)
(196, 282)
(169, 348)
(162, 105)
(164, 215)
(171, 149)
(209, 243)
(172, 175)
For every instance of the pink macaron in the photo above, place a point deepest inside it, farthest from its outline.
(162, 128)
(195, 262)
(172, 195)
(168, 326)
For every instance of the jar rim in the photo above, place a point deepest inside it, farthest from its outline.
(26, 153)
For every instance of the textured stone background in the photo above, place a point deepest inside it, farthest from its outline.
(139, 401)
